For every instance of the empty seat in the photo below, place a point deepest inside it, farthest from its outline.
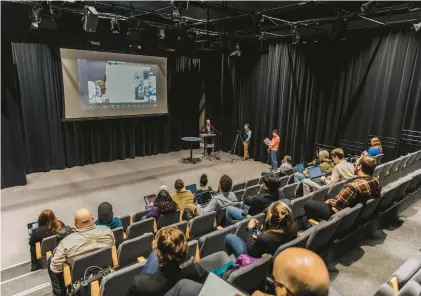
(407, 270)
(126, 221)
(140, 228)
(239, 186)
(139, 215)
(411, 159)
(348, 221)
(239, 194)
(412, 288)
(368, 210)
(118, 235)
(335, 189)
(377, 171)
(214, 260)
(117, 283)
(384, 290)
(322, 235)
(415, 181)
(252, 182)
(395, 165)
(404, 161)
(250, 191)
(320, 194)
(283, 181)
(183, 225)
(288, 191)
(388, 194)
(403, 186)
(297, 206)
(193, 250)
(386, 170)
(168, 219)
(418, 157)
(214, 241)
(131, 249)
(299, 242)
(201, 225)
(241, 228)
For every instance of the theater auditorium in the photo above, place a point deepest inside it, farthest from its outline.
(209, 148)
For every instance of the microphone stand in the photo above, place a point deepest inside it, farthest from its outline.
(219, 141)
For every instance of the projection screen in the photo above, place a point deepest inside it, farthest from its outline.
(104, 84)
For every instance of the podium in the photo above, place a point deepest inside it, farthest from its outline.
(206, 139)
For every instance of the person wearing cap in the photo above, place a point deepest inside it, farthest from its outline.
(106, 216)
(247, 137)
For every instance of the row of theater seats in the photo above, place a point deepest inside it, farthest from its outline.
(405, 281)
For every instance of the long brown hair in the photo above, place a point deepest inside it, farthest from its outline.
(49, 220)
(279, 217)
(171, 246)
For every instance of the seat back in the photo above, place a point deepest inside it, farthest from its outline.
(388, 194)
(418, 157)
(250, 191)
(214, 241)
(140, 228)
(239, 186)
(139, 215)
(368, 209)
(299, 242)
(320, 194)
(386, 170)
(260, 217)
(403, 186)
(411, 159)
(384, 290)
(336, 188)
(288, 191)
(202, 224)
(48, 244)
(131, 249)
(117, 283)
(408, 269)
(125, 220)
(118, 235)
(416, 178)
(395, 165)
(250, 278)
(101, 258)
(377, 171)
(412, 288)
(289, 172)
(180, 225)
(168, 219)
(297, 206)
(404, 161)
(252, 182)
(241, 228)
(348, 220)
(322, 235)
(239, 194)
(193, 245)
(283, 181)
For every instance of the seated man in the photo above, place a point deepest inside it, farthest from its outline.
(286, 164)
(86, 238)
(298, 271)
(224, 197)
(256, 204)
(342, 170)
(106, 216)
(363, 188)
(324, 162)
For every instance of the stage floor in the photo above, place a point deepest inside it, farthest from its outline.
(123, 183)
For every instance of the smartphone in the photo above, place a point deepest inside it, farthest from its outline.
(31, 226)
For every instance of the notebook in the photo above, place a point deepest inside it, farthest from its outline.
(217, 286)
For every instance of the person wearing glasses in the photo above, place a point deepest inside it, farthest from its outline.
(298, 271)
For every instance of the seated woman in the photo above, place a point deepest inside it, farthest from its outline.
(326, 165)
(375, 149)
(106, 216)
(204, 194)
(48, 225)
(182, 196)
(278, 230)
(174, 265)
(163, 205)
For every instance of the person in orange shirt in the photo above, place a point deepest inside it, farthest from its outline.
(273, 149)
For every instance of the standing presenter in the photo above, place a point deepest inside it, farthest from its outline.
(208, 129)
(273, 149)
(247, 138)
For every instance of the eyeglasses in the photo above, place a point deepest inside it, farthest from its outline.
(280, 285)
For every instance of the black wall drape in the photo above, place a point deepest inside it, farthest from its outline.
(34, 116)
(325, 92)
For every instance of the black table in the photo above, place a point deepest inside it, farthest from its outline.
(191, 140)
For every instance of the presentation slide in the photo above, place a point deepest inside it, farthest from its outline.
(100, 84)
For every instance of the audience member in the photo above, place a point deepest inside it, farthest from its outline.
(324, 162)
(286, 164)
(375, 149)
(204, 194)
(298, 271)
(278, 229)
(256, 204)
(224, 198)
(363, 188)
(164, 187)
(174, 265)
(106, 216)
(182, 196)
(163, 205)
(48, 225)
(86, 238)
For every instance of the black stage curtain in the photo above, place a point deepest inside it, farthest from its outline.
(34, 118)
(324, 92)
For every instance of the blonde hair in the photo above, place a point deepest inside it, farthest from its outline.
(324, 154)
(279, 217)
(171, 245)
(375, 142)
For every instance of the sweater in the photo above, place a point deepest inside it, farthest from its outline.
(183, 198)
(114, 223)
(267, 242)
(220, 201)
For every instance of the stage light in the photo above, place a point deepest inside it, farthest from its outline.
(417, 27)
(236, 52)
(115, 26)
(161, 33)
(90, 19)
(368, 6)
(35, 16)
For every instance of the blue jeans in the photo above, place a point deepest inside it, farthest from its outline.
(273, 159)
(298, 177)
(152, 265)
(234, 213)
(57, 281)
(235, 244)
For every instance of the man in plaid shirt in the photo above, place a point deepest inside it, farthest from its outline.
(360, 190)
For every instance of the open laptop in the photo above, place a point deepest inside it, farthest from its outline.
(192, 188)
(316, 174)
(300, 167)
(217, 286)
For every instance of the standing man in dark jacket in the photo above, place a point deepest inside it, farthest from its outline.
(247, 138)
(208, 129)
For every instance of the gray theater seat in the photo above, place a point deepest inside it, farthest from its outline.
(283, 181)
(180, 225)
(418, 157)
(415, 181)
(410, 289)
(385, 171)
(320, 194)
(348, 221)
(193, 245)
(131, 249)
(299, 242)
(140, 228)
(395, 165)
(117, 283)
(251, 191)
(335, 189)
(48, 244)
(368, 210)
(384, 290)
(241, 228)
(239, 194)
(214, 241)
(239, 186)
(139, 215)
(289, 172)
(201, 225)
(322, 235)
(411, 159)
(260, 217)
(378, 170)
(407, 270)
(101, 258)
(288, 191)
(118, 235)
(388, 194)
(125, 220)
(297, 206)
(252, 182)
(403, 186)
(166, 220)
(404, 161)
(214, 260)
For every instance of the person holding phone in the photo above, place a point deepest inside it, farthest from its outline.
(278, 230)
(273, 149)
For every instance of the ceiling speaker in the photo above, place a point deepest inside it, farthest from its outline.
(90, 19)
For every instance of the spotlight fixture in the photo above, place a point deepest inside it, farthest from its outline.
(368, 6)
(115, 26)
(236, 52)
(161, 33)
(35, 16)
(296, 38)
(90, 19)
(417, 27)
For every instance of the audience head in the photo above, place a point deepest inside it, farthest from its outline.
(179, 184)
(203, 180)
(208, 121)
(165, 203)
(83, 219)
(365, 166)
(337, 155)
(279, 216)
(375, 142)
(271, 182)
(171, 246)
(286, 158)
(49, 220)
(323, 155)
(274, 132)
(299, 272)
(105, 213)
(225, 183)
(164, 187)
(246, 126)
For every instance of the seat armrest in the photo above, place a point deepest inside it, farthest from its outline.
(394, 284)
(313, 222)
(67, 275)
(95, 289)
(38, 250)
(140, 259)
(114, 256)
